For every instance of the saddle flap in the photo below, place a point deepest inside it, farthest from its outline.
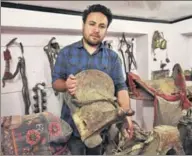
(94, 85)
(167, 112)
(92, 118)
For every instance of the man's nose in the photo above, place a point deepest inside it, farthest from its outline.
(96, 29)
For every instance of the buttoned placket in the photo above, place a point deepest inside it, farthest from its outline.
(90, 56)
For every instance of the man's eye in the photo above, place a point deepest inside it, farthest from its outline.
(103, 27)
(91, 24)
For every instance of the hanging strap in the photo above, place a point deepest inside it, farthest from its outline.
(52, 51)
(21, 67)
(7, 57)
(129, 51)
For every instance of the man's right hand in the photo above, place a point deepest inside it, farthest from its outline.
(71, 84)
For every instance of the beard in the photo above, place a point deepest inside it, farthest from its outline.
(90, 42)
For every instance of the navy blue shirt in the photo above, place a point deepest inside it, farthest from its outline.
(74, 58)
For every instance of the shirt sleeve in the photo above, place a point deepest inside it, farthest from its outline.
(59, 69)
(118, 76)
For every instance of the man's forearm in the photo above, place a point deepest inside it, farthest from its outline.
(123, 99)
(59, 85)
(124, 102)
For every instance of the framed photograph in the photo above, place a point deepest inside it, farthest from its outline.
(159, 74)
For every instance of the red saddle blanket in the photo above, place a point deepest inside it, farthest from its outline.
(167, 107)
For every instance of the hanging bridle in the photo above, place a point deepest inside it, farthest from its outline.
(21, 67)
(52, 50)
(129, 52)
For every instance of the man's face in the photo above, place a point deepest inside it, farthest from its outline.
(95, 28)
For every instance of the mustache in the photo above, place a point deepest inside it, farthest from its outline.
(95, 35)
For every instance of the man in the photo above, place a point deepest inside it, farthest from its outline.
(90, 53)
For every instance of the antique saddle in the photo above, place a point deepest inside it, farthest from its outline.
(94, 106)
(163, 139)
(169, 95)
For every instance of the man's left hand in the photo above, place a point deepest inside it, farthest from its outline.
(128, 129)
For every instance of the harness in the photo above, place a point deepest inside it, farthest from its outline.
(52, 50)
(129, 52)
(21, 67)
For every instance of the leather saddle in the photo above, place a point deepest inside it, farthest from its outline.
(94, 106)
(169, 95)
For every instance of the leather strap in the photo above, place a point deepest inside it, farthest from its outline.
(52, 50)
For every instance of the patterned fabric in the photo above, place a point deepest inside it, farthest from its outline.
(36, 134)
(74, 58)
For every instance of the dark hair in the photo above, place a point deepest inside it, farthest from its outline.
(98, 8)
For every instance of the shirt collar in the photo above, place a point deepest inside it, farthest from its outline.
(79, 44)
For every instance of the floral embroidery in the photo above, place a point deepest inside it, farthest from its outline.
(32, 137)
(54, 129)
(43, 141)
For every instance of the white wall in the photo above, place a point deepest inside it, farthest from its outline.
(181, 46)
(189, 52)
(37, 70)
(34, 29)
